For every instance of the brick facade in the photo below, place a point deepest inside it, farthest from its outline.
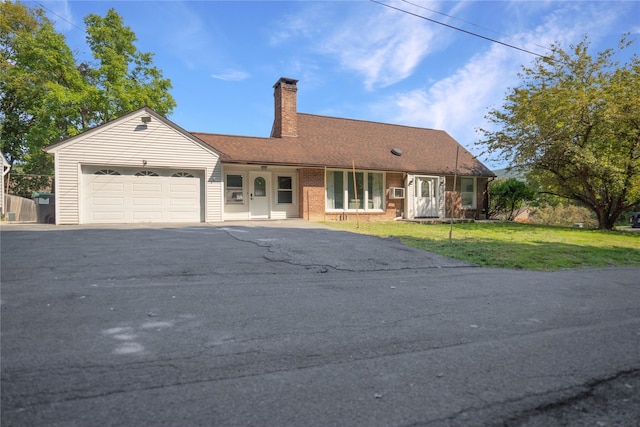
(285, 104)
(455, 197)
(312, 197)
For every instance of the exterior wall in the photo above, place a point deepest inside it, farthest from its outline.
(313, 202)
(395, 207)
(5, 170)
(455, 198)
(2, 195)
(128, 143)
(240, 212)
(311, 193)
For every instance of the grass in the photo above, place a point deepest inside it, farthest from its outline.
(513, 245)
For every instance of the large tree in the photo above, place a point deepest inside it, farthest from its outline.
(47, 95)
(40, 87)
(574, 123)
(126, 77)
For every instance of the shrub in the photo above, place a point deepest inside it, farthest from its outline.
(564, 215)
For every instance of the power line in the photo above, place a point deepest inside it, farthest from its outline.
(460, 29)
(462, 20)
(61, 17)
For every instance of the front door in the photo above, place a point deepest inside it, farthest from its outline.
(426, 197)
(259, 198)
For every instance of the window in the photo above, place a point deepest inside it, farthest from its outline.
(146, 173)
(259, 187)
(285, 190)
(335, 190)
(356, 198)
(468, 192)
(182, 175)
(235, 189)
(107, 172)
(366, 192)
(375, 191)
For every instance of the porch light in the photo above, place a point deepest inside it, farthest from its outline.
(396, 152)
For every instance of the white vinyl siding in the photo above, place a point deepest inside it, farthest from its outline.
(126, 143)
(241, 211)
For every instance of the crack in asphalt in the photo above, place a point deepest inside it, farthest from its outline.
(283, 363)
(580, 393)
(278, 253)
(569, 395)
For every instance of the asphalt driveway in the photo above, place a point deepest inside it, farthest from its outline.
(295, 324)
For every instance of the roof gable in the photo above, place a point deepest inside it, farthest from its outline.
(141, 112)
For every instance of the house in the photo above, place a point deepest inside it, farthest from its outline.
(6, 167)
(142, 167)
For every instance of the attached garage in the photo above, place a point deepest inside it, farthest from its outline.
(129, 195)
(138, 168)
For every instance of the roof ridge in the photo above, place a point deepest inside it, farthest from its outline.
(371, 121)
(229, 135)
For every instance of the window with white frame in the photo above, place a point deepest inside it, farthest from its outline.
(234, 189)
(348, 191)
(285, 190)
(468, 192)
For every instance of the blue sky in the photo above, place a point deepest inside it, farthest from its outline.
(353, 59)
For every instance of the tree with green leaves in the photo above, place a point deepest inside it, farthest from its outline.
(40, 87)
(506, 196)
(47, 96)
(574, 124)
(126, 78)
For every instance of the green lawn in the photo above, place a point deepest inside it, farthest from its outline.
(513, 245)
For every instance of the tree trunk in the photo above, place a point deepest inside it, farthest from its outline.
(605, 221)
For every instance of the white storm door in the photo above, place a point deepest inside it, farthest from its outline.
(259, 195)
(426, 197)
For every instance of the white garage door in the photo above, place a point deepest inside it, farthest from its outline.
(113, 195)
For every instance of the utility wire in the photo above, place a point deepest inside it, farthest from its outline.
(461, 30)
(61, 17)
(462, 20)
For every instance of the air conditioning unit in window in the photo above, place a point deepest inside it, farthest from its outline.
(396, 193)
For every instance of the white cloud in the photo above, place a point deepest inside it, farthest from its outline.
(459, 102)
(231, 75)
(384, 46)
(381, 45)
(60, 13)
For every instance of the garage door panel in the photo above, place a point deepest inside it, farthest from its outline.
(178, 203)
(147, 201)
(190, 187)
(107, 186)
(144, 187)
(183, 216)
(104, 216)
(115, 202)
(127, 198)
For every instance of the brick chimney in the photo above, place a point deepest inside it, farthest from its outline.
(285, 121)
